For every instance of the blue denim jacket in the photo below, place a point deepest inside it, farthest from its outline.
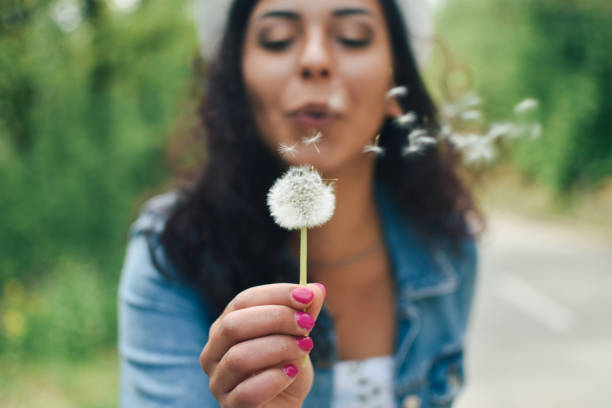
(163, 325)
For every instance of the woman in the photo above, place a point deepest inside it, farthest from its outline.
(206, 281)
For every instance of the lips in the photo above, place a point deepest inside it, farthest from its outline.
(314, 116)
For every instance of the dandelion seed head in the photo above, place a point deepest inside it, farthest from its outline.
(397, 92)
(299, 199)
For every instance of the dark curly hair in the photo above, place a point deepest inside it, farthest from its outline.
(220, 236)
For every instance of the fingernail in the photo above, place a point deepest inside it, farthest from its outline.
(302, 295)
(304, 320)
(322, 286)
(305, 343)
(290, 370)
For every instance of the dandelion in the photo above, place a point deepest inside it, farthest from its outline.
(287, 150)
(397, 92)
(406, 120)
(526, 105)
(300, 200)
(313, 140)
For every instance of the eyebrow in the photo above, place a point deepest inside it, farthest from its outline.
(350, 11)
(291, 15)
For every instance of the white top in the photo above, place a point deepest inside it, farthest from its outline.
(364, 383)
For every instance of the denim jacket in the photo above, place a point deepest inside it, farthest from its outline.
(163, 324)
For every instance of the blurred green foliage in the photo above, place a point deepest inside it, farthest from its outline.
(88, 96)
(557, 52)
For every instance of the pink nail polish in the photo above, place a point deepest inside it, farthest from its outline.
(304, 320)
(290, 370)
(322, 286)
(305, 343)
(302, 295)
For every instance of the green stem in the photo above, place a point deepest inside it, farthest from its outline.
(303, 271)
(303, 257)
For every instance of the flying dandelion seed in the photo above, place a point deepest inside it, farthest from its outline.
(377, 150)
(397, 92)
(536, 131)
(527, 105)
(418, 142)
(287, 150)
(445, 131)
(336, 101)
(463, 142)
(498, 130)
(468, 102)
(415, 134)
(481, 151)
(407, 119)
(374, 148)
(313, 141)
(472, 115)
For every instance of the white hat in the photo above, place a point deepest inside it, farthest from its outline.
(212, 15)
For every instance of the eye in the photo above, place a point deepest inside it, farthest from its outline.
(276, 45)
(354, 42)
(276, 37)
(354, 35)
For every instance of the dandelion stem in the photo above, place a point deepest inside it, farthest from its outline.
(303, 253)
(303, 263)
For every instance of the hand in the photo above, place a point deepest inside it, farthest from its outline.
(255, 349)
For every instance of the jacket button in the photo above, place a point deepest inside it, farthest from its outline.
(411, 401)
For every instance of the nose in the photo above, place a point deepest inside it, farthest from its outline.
(315, 59)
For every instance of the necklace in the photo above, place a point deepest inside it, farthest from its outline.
(349, 259)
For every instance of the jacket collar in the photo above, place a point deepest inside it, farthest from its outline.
(422, 269)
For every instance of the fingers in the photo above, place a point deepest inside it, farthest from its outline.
(287, 294)
(259, 311)
(253, 322)
(252, 356)
(264, 386)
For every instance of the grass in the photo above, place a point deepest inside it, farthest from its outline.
(92, 383)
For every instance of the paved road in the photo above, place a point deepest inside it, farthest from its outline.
(541, 333)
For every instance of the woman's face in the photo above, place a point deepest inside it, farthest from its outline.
(318, 66)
